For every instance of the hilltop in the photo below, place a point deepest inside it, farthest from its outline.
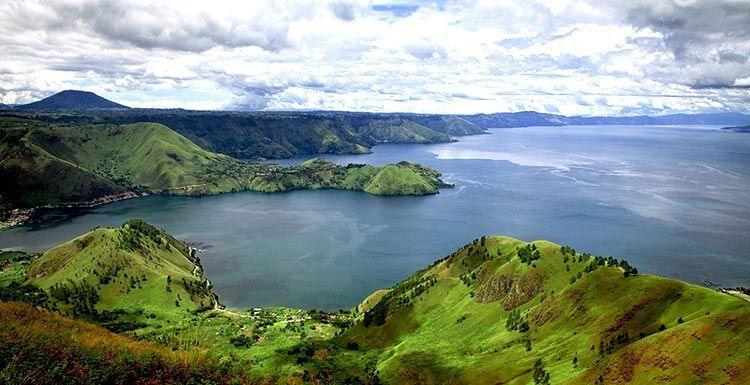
(140, 282)
(83, 164)
(502, 310)
(133, 268)
(72, 100)
(497, 310)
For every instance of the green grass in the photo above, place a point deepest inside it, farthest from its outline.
(448, 330)
(13, 266)
(150, 275)
(56, 164)
(582, 316)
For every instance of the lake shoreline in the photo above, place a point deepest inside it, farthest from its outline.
(20, 217)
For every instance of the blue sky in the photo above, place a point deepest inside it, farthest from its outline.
(575, 57)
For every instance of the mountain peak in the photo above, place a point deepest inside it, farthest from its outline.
(73, 99)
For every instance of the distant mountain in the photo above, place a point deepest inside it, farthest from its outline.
(531, 118)
(276, 135)
(3, 106)
(73, 100)
(738, 128)
(285, 134)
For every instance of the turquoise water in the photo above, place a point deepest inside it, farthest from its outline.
(673, 201)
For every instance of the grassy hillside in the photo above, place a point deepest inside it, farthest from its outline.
(497, 310)
(139, 281)
(133, 269)
(482, 315)
(54, 164)
(275, 135)
(40, 347)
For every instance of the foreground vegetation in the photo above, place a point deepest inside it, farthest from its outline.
(43, 164)
(497, 310)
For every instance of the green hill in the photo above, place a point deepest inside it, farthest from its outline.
(46, 164)
(275, 135)
(497, 310)
(133, 269)
(55, 164)
(482, 315)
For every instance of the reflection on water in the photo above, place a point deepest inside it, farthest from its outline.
(674, 201)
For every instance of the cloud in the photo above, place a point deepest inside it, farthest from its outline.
(576, 57)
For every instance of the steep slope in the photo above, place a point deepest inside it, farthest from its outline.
(142, 154)
(55, 164)
(72, 99)
(40, 347)
(32, 176)
(397, 130)
(503, 311)
(497, 310)
(133, 269)
(451, 125)
(275, 135)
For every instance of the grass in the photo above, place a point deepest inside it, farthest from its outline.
(447, 330)
(580, 316)
(87, 354)
(57, 164)
(152, 274)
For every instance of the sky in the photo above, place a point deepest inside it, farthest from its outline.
(573, 57)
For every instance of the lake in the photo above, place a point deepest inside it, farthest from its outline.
(673, 201)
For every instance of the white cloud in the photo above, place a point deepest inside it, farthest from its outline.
(573, 56)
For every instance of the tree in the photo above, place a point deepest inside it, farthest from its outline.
(541, 377)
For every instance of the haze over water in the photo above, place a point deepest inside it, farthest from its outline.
(673, 201)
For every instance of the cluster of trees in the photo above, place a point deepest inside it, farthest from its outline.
(109, 272)
(515, 322)
(198, 289)
(528, 254)
(399, 296)
(133, 230)
(243, 341)
(15, 291)
(541, 377)
(82, 296)
(600, 261)
(613, 342)
(467, 279)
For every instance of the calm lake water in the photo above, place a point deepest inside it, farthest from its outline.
(673, 201)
